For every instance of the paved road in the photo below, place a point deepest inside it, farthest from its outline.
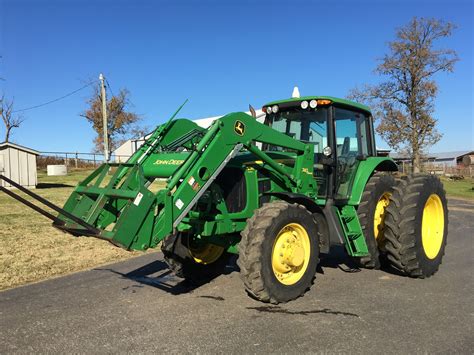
(137, 306)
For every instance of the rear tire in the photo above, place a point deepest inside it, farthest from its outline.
(279, 251)
(371, 212)
(417, 226)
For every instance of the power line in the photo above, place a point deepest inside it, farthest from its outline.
(108, 85)
(113, 94)
(55, 100)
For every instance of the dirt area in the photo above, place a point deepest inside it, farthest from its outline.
(32, 250)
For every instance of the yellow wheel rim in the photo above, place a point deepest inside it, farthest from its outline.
(206, 254)
(379, 215)
(291, 253)
(432, 226)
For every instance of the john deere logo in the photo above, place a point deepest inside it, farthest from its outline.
(239, 128)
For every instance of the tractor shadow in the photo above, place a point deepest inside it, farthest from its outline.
(157, 274)
(338, 259)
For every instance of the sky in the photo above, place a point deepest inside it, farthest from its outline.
(221, 55)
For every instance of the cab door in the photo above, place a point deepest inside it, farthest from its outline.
(351, 142)
(315, 130)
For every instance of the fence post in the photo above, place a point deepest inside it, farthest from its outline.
(65, 161)
(75, 160)
(94, 161)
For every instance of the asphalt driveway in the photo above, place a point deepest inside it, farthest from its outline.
(137, 306)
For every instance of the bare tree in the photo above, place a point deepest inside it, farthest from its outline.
(9, 118)
(404, 101)
(122, 124)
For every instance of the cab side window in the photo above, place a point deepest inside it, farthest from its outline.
(352, 136)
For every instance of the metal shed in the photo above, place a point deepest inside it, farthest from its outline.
(18, 163)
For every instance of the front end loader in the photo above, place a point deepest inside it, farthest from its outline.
(276, 193)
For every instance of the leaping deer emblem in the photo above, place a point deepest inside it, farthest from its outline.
(239, 128)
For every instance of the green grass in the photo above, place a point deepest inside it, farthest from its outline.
(32, 250)
(73, 177)
(459, 188)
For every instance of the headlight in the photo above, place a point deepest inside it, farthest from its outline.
(304, 105)
(269, 110)
(275, 108)
(313, 103)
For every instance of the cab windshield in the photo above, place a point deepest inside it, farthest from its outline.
(309, 126)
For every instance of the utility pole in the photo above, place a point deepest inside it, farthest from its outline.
(104, 118)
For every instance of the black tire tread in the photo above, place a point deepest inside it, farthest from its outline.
(400, 224)
(373, 260)
(250, 261)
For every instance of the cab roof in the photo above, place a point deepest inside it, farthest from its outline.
(333, 99)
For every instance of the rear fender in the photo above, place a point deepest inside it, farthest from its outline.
(365, 170)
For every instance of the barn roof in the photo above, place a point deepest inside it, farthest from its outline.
(451, 155)
(436, 156)
(19, 147)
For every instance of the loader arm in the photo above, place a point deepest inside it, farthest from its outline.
(222, 141)
(120, 207)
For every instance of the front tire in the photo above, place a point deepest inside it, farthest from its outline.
(417, 226)
(279, 252)
(195, 263)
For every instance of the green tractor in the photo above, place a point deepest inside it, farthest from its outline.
(277, 193)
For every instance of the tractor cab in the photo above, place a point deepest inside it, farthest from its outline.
(340, 131)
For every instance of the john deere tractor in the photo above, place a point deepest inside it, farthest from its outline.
(277, 193)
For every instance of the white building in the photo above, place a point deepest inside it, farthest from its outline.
(18, 163)
(124, 152)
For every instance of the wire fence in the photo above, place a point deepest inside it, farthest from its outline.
(92, 160)
(75, 159)
(451, 171)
